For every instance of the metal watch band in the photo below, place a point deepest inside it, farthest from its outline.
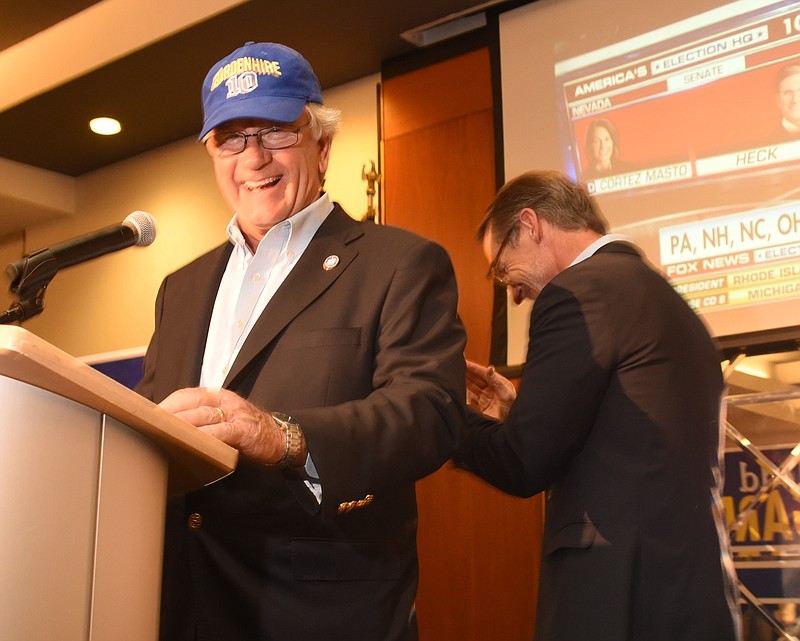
(294, 440)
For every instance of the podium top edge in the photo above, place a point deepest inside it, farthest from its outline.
(195, 458)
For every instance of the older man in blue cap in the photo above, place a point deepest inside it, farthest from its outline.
(329, 353)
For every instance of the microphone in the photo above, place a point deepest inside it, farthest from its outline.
(35, 270)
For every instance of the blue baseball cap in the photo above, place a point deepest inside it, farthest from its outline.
(259, 80)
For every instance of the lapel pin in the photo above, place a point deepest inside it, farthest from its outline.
(330, 262)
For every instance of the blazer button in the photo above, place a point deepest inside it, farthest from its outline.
(195, 521)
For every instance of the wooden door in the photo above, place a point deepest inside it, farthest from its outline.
(479, 548)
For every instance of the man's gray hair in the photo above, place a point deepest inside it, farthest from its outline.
(325, 121)
(554, 198)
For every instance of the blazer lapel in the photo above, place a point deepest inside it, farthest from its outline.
(307, 281)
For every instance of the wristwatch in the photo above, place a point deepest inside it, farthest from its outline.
(294, 440)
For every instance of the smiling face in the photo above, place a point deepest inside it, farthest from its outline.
(266, 187)
(525, 267)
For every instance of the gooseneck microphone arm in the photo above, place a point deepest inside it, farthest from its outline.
(30, 275)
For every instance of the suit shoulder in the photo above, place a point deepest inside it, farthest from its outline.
(349, 229)
(387, 236)
(399, 234)
(620, 275)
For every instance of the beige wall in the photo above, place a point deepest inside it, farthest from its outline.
(107, 304)
(10, 249)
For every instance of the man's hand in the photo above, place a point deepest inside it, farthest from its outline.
(231, 419)
(488, 392)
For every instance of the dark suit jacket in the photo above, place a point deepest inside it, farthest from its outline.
(368, 357)
(617, 418)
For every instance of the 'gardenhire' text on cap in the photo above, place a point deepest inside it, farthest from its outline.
(259, 80)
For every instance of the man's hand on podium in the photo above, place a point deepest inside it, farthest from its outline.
(231, 419)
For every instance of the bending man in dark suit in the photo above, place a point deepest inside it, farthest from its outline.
(617, 418)
(329, 352)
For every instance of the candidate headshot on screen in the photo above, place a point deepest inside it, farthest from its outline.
(602, 150)
(788, 86)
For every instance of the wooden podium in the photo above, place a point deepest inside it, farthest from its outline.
(85, 469)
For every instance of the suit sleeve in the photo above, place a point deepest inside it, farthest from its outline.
(411, 422)
(562, 387)
(145, 385)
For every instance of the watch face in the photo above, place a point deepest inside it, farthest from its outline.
(280, 417)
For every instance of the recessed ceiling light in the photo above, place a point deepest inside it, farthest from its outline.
(105, 126)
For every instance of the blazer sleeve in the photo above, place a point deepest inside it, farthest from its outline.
(562, 387)
(145, 386)
(410, 423)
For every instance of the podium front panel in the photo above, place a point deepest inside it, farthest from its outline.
(129, 537)
(48, 498)
(83, 500)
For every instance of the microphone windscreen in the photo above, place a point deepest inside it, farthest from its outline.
(143, 225)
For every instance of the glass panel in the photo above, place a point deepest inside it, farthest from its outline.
(762, 490)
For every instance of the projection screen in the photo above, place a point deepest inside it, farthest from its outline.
(699, 98)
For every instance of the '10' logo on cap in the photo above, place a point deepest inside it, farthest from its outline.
(241, 66)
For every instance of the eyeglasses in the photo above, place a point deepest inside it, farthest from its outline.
(228, 143)
(496, 273)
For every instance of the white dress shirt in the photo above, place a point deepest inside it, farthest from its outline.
(249, 283)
